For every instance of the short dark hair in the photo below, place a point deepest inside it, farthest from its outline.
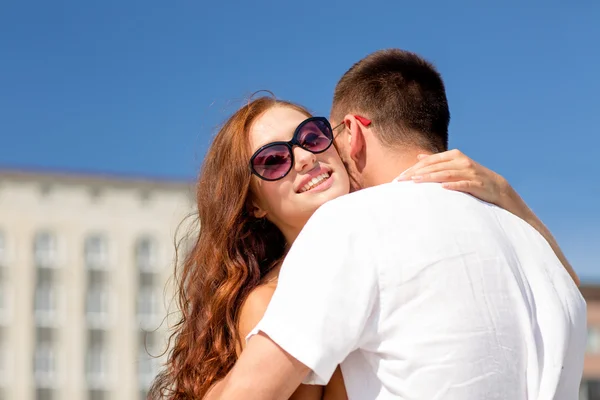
(402, 94)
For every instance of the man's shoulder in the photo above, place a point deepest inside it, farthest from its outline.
(398, 193)
(398, 204)
(254, 307)
(354, 210)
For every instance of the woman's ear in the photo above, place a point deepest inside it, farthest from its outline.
(256, 211)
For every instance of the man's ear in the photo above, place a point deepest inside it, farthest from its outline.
(356, 140)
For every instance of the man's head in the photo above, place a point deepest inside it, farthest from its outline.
(404, 97)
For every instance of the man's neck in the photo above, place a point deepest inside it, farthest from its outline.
(390, 164)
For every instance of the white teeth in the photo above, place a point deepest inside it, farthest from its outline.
(314, 182)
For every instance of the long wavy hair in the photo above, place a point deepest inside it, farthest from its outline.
(233, 252)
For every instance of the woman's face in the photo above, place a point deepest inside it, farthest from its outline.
(313, 179)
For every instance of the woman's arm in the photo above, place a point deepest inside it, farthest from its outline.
(458, 172)
(335, 389)
(516, 205)
(252, 312)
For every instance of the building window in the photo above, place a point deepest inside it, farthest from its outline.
(5, 367)
(45, 250)
(149, 310)
(145, 196)
(593, 343)
(5, 304)
(146, 254)
(3, 250)
(3, 363)
(46, 304)
(589, 390)
(45, 189)
(96, 252)
(44, 394)
(97, 366)
(148, 368)
(98, 305)
(98, 394)
(95, 193)
(44, 365)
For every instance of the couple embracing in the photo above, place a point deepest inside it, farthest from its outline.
(356, 257)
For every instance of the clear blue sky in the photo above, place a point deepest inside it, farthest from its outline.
(139, 87)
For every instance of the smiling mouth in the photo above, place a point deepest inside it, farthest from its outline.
(316, 181)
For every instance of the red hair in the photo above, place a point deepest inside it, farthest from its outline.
(233, 252)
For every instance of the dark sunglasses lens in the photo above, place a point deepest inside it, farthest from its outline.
(315, 136)
(273, 162)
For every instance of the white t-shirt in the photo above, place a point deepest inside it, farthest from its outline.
(424, 293)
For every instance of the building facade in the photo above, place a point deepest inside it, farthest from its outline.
(590, 386)
(85, 263)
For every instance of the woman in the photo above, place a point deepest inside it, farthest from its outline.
(253, 199)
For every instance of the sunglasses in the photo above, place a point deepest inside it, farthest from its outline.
(362, 120)
(274, 161)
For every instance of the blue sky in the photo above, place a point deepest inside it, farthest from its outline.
(139, 87)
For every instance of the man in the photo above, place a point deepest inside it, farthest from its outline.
(418, 292)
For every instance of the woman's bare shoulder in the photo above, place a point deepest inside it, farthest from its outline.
(254, 308)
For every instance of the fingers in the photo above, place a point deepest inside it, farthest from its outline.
(464, 186)
(474, 188)
(444, 175)
(452, 159)
(451, 165)
(425, 159)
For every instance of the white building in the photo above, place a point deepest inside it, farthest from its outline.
(84, 263)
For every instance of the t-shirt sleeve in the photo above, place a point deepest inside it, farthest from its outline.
(325, 294)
